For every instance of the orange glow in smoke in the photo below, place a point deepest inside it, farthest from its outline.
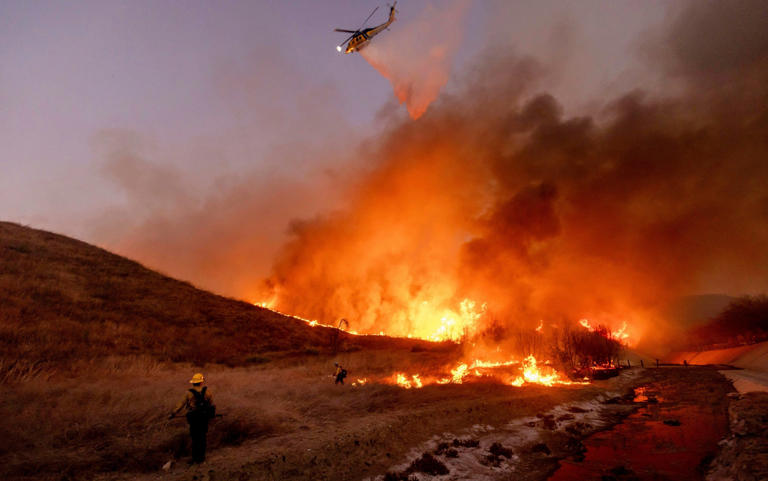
(621, 333)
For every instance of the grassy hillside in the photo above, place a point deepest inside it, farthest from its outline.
(62, 301)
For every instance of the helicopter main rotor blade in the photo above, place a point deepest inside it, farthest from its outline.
(369, 17)
(345, 31)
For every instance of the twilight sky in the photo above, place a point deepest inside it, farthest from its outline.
(186, 119)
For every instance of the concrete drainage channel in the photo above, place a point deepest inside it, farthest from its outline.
(527, 447)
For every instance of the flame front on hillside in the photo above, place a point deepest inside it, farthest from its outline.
(529, 371)
(437, 325)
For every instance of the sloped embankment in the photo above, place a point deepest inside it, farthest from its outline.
(63, 301)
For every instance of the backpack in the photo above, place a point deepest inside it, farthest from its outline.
(202, 409)
(343, 373)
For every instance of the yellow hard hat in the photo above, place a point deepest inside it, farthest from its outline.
(197, 378)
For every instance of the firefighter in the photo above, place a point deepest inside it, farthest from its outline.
(199, 409)
(340, 374)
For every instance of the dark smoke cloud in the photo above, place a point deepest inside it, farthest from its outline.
(711, 41)
(496, 195)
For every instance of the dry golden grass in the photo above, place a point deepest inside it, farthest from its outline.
(112, 416)
(62, 301)
(110, 421)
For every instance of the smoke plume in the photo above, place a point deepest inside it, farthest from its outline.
(416, 56)
(495, 197)
(214, 210)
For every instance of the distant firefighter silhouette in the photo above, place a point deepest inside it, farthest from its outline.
(340, 373)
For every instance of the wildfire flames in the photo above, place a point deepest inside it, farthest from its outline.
(531, 372)
(457, 327)
(438, 325)
(403, 380)
(496, 219)
(360, 382)
(462, 325)
(501, 209)
(496, 209)
(620, 335)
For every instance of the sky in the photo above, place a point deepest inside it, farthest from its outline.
(212, 88)
(159, 128)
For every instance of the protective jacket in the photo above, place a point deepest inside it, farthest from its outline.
(188, 403)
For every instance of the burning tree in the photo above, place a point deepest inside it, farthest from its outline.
(571, 347)
(583, 348)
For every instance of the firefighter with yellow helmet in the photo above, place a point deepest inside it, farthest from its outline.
(198, 408)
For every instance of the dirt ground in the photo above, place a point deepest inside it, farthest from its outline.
(290, 421)
(367, 438)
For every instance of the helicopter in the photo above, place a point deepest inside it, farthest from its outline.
(362, 36)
